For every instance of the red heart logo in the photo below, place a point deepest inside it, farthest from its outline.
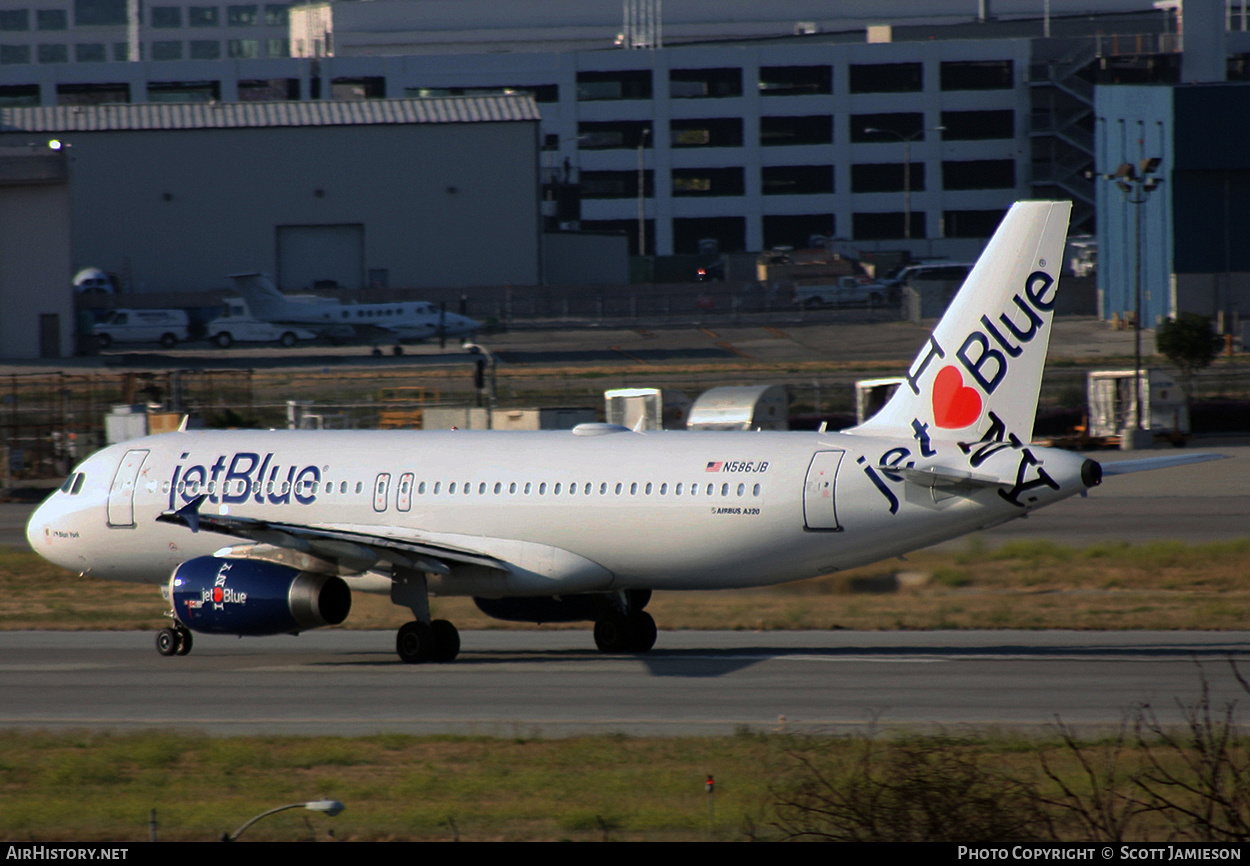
(954, 405)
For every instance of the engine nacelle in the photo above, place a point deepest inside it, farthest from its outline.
(566, 608)
(216, 595)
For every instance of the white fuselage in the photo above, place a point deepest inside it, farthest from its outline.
(411, 320)
(602, 509)
(406, 320)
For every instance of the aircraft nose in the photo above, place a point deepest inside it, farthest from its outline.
(35, 528)
(55, 530)
(39, 526)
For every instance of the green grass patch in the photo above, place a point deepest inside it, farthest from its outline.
(92, 787)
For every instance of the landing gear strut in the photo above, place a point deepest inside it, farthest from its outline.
(174, 641)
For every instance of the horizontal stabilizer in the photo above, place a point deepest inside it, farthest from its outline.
(1145, 464)
(940, 477)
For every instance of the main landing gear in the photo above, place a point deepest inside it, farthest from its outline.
(633, 632)
(624, 627)
(423, 640)
(174, 641)
(436, 641)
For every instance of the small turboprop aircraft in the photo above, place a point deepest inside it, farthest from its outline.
(253, 532)
(402, 320)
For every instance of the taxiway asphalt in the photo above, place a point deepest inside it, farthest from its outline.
(554, 683)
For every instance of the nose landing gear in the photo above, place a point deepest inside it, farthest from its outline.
(174, 641)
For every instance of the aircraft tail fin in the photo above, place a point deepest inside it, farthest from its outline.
(981, 368)
(263, 298)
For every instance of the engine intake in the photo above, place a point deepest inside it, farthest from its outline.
(216, 595)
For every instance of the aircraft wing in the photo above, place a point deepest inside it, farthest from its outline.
(1145, 464)
(353, 550)
(373, 330)
(363, 330)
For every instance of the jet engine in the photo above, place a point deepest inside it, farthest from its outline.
(216, 595)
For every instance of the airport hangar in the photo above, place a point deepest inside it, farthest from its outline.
(382, 193)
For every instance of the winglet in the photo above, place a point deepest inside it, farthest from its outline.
(981, 369)
(188, 515)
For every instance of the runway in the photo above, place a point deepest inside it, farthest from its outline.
(554, 684)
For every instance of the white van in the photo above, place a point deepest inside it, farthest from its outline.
(167, 327)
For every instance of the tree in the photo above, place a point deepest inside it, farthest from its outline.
(1190, 343)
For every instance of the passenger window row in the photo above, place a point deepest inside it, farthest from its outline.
(408, 486)
(543, 488)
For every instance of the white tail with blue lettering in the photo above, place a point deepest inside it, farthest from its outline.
(982, 366)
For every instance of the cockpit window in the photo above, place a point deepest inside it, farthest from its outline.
(73, 484)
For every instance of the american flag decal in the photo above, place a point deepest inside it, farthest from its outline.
(714, 466)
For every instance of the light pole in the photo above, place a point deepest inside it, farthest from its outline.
(476, 349)
(642, 190)
(1137, 182)
(329, 807)
(907, 140)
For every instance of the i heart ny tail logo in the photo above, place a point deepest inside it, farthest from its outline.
(954, 404)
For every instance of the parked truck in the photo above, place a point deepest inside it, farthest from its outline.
(236, 324)
(818, 278)
(845, 292)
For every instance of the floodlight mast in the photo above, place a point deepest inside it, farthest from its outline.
(1137, 182)
(907, 140)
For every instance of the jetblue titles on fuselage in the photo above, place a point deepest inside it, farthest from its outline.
(244, 476)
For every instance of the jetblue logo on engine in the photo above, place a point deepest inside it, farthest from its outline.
(242, 477)
(984, 355)
(219, 595)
